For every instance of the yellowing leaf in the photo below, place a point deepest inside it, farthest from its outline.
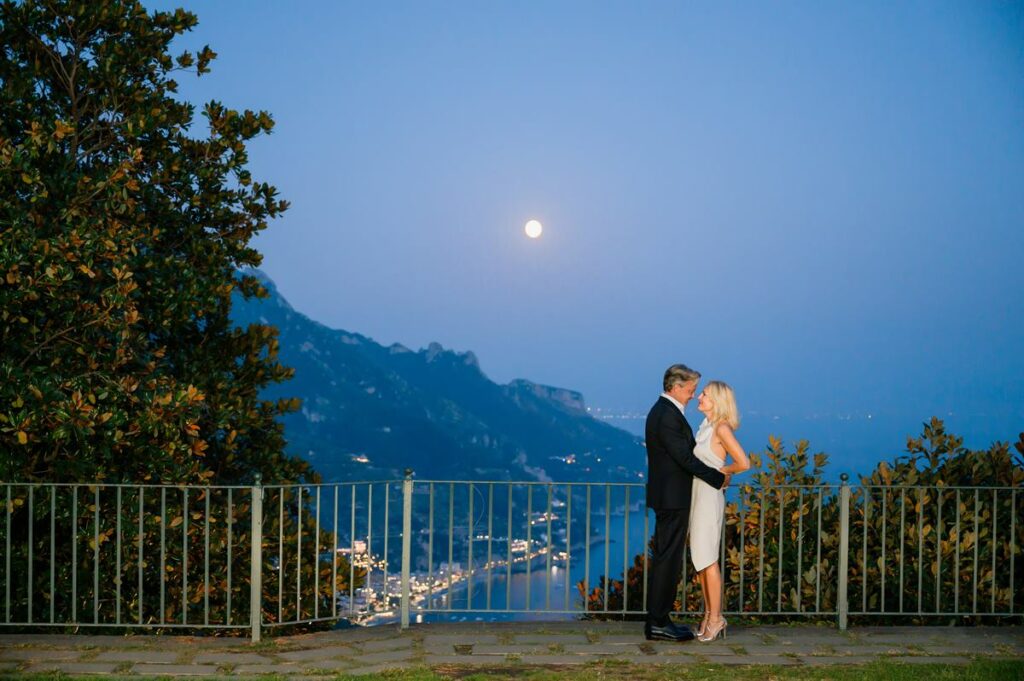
(22, 437)
(177, 521)
(61, 130)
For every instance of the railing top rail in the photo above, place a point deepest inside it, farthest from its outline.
(734, 485)
(126, 485)
(940, 486)
(534, 483)
(314, 485)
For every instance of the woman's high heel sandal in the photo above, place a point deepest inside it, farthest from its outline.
(713, 631)
(703, 626)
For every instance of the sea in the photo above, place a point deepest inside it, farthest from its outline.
(856, 442)
(540, 589)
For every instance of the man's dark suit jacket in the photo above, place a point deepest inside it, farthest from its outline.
(671, 464)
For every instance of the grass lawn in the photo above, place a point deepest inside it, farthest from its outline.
(877, 671)
(978, 670)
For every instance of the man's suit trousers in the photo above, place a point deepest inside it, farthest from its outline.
(666, 567)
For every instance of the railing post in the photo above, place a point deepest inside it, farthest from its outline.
(842, 604)
(406, 543)
(256, 559)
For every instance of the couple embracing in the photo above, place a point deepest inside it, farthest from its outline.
(686, 479)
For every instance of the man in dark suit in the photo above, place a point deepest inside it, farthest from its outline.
(671, 468)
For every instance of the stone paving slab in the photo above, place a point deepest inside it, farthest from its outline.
(267, 669)
(786, 650)
(909, 638)
(651, 651)
(712, 650)
(38, 654)
(747, 633)
(911, 631)
(826, 649)
(770, 639)
(601, 649)
(552, 639)
(74, 667)
(666, 648)
(136, 655)
(432, 640)
(345, 635)
(314, 654)
(386, 656)
(622, 639)
(111, 641)
(229, 658)
(798, 634)
(387, 644)
(175, 669)
(510, 649)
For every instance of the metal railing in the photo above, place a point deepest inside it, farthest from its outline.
(125, 555)
(267, 556)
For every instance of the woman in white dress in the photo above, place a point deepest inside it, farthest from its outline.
(715, 441)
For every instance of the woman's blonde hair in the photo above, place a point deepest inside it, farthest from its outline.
(724, 401)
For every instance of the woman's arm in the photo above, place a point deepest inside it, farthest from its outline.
(740, 462)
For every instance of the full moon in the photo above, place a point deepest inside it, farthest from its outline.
(534, 229)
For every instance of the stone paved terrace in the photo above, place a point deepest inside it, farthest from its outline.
(451, 646)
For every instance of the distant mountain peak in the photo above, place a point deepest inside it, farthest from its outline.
(435, 350)
(570, 400)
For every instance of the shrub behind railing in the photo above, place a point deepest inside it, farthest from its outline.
(160, 557)
(934, 534)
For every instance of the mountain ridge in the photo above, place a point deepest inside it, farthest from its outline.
(369, 410)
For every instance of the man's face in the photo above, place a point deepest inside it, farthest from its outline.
(683, 392)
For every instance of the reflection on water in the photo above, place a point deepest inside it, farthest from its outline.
(541, 589)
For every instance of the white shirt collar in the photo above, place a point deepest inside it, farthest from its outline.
(681, 407)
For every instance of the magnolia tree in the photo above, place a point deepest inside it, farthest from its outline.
(122, 235)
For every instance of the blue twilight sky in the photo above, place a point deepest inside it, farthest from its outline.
(821, 203)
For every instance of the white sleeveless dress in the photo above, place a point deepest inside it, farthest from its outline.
(707, 508)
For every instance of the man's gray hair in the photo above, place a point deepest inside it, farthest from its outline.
(679, 374)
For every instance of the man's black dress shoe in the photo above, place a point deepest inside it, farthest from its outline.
(685, 634)
(669, 632)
